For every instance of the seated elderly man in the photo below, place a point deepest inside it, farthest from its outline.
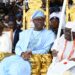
(36, 40)
(64, 56)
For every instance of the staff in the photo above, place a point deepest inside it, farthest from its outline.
(60, 26)
(61, 18)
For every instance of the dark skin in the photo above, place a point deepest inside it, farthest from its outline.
(54, 23)
(67, 33)
(43, 4)
(54, 53)
(73, 34)
(6, 18)
(26, 55)
(39, 25)
(10, 26)
(1, 28)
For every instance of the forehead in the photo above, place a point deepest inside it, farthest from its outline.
(39, 18)
(67, 29)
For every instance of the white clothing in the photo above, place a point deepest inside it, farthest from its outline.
(44, 40)
(57, 66)
(38, 41)
(5, 43)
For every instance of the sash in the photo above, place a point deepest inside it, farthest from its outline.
(71, 53)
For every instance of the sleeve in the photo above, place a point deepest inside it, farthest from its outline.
(18, 48)
(47, 44)
(57, 43)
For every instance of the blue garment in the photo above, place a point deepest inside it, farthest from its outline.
(15, 65)
(41, 41)
(46, 38)
(38, 14)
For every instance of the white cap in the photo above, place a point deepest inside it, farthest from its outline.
(70, 24)
(37, 14)
(54, 14)
(73, 28)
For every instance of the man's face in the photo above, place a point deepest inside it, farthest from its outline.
(67, 32)
(6, 19)
(54, 23)
(39, 23)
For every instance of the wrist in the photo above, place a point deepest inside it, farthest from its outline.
(22, 54)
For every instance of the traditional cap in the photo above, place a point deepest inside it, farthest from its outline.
(70, 25)
(38, 14)
(73, 28)
(54, 15)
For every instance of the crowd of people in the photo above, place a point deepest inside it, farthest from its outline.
(36, 40)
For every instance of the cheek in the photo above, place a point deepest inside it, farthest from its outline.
(73, 35)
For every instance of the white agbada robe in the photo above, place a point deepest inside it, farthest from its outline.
(37, 41)
(58, 68)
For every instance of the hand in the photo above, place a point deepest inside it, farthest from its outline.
(26, 55)
(54, 53)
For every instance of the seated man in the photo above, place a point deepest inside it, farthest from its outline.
(64, 54)
(32, 41)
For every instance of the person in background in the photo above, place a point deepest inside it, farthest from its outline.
(19, 4)
(17, 30)
(5, 20)
(36, 40)
(16, 33)
(64, 53)
(9, 29)
(54, 22)
(5, 42)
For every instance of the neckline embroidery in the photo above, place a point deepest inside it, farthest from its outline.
(71, 52)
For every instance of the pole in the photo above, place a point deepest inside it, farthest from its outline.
(59, 29)
(47, 14)
(24, 15)
(61, 18)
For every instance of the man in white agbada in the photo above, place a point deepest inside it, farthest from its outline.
(32, 41)
(64, 63)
